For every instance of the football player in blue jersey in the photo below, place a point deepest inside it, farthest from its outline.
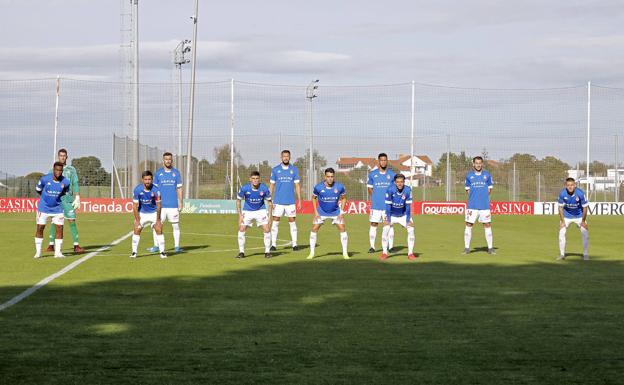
(168, 179)
(331, 198)
(51, 188)
(254, 194)
(147, 210)
(379, 179)
(573, 208)
(398, 201)
(284, 184)
(478, 187)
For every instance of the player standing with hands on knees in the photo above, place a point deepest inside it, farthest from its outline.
(51, 187)
(331, 197)
(254, 194)
(284, 183)
(398, 210)
(478, 187)
(573, 208)
(146, 209)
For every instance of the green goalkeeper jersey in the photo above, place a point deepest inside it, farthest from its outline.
(70, 173)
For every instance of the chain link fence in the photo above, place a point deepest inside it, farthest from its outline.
(532, 139)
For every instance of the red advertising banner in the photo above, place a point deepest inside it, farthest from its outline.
(87, 205)
(107, 205)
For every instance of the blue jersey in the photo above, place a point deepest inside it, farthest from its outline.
(146, 199)
(254, 198)
(168, 183)
(572, 204)
(52, 191)
(284, 179)
(398, 203)
(328, 198)
(478, 186)
(379, 182)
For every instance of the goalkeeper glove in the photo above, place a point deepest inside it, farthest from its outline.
(76, 202)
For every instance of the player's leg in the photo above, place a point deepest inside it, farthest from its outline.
(384, 241)
(563, 229)
(266, 229)
(372, 236)
(344, 239)
(160, 237)
(391, 239)
(293, 232)
(58, 221)
(585, 237)
(241, 241)
(70, 215)
(313, 235)
(411, 239)
(485, 218)
(163, 219)
(40, 222)
(278, 211)
(174, 218)
(136, 237)
(52, 238)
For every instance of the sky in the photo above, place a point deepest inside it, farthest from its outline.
(481, 43)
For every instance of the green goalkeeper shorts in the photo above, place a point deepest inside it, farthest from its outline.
(70, 213)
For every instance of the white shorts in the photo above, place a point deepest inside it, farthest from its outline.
(289, 211)
(576, 221)
(377, 216)
(147, 218)
(57, 219)
(260, 216)
(171, 214)
(484, 216)
(335, 220)
(401, 221)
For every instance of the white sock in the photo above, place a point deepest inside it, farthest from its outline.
(176, 234)
(293, 232)
(267, 242)
(344, 239)
(467, 237)
(411, 238)
(241, 241)
(274, 230)
(161, 243)
(155, 237)
(312, 241)
(562, 240)
(384, 239)
(38, 242)
(488, 237)
(391, 238)
(58, 244)
(372, 235)
(585, 236)
(135, 242)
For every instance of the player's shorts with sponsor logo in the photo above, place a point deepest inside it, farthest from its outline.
(568, 221)
(147, 218)
(336, 219)
(56, 219)
(484, 216)
(261, 217)
(171, 214)
(289, 211)
(402, 220)
(377, 216)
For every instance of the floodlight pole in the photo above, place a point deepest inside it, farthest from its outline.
(310, 95)
(412, 142)
(189, 148)
(179, 60)
(135, 116)
(588, 133)
(56, 115)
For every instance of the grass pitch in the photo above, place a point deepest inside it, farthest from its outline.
(204, 317)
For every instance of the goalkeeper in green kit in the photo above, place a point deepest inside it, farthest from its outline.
(71, 202)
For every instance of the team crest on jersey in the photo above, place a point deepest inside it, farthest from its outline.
(388, 177)
(261, 193)
(484, 177)
(292, 172)
(577, 199)
(403, 197)
(62, 185)
(335, 191)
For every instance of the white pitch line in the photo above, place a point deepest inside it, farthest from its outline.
(26, 293)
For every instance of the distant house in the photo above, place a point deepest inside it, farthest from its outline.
(598, 183)
(421, 166)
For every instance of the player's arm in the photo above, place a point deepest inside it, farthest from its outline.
(158, 209)
(179, 192)
(298, 188)
(315, 203)
(388, 207)
(342, 203)
(75, 189)
(467, 185)
(39, 187)
(369, 186)
(560, 202)
(272, 183)
(490, 184)
(239, 208)
(135, 212)
(269, 202)
(585, 205)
